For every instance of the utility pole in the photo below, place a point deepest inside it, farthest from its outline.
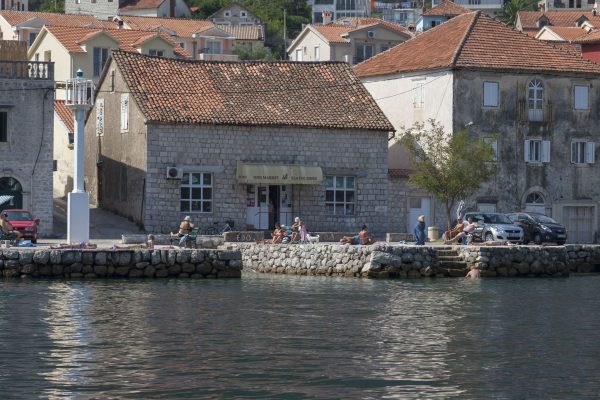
(80, 97)
(284, 34)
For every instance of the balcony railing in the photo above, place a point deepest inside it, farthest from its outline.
(218, 57)
(27, 70)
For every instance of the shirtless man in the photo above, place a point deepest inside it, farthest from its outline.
(451, 234)
(8, 229)
(363, 237)
(467, 228)
(474, 274)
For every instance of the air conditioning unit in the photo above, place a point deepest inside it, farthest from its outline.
(371, 34)
(174, 173)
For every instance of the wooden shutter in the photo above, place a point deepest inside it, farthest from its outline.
(590, 152)
(527, 151)
(581, 97)
(545, 156)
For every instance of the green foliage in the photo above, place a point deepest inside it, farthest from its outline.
(451, 167)
(512, 7)
(57, 6)
(256, 53)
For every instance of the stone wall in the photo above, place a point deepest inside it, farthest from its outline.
(583, 258)
(90, 264)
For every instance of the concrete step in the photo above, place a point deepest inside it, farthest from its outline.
(452, 264)
(449, 258)
(452, 253)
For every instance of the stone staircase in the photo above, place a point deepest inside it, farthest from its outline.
(449, 263)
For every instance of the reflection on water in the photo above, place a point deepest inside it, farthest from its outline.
(300, 337)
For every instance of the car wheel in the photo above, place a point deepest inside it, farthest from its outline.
(561, 243)
(489, 237)
(537, 239)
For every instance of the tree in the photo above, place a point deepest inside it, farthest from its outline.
(256, 53)
(512, 7)
(56, 6)
(451, 167)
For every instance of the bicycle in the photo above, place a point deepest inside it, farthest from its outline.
(215, 230)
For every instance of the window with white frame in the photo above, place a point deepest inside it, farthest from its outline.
(340, 194)
(583, 152)
(493, 141)
(100, 57)
(537, 151)
(490, 94)
(317, 53)
(419, 95)
(100, 117)
(535, 100)
(196, 192)
(581, 97)
(298, 54)
(124, 112)
(214, 47)
(157, 53)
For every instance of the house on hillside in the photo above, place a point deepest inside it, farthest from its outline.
(107, 9)
(493, 8)
(241, 23)
(26, 135)
(336, 9)
(562, 5)
(253, 149)
(439, 14)
(531, 22)
(352, 40)
(537, 111)
(585, 40)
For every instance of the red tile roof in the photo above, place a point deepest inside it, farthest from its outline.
(529, 19)
(139, 4)
(18, 17)
(474, 41)
(182, 27)
(334, 32)
(568, 33)
(447, 8)
(357, 22)
(318, 95)
(72, 38)
(65, 114)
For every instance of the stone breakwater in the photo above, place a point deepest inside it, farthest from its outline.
(334, 260)
(88, 264)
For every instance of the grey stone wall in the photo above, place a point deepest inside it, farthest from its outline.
(27, 155)
(218, 149)
(102, 9)
(90, 264)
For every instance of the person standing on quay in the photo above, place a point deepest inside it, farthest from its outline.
(419, 233)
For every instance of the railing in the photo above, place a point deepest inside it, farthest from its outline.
(218, 57)
(27, 70)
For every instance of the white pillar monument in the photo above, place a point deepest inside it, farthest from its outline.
(80, 97)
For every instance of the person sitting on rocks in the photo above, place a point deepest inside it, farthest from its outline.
(276, 236)
(185, 227)
(363, 237)
(466, 232)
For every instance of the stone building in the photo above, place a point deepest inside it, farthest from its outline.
(26, 117)
(535, 103)
(250, 142)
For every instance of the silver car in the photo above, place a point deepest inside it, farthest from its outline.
(497, 226)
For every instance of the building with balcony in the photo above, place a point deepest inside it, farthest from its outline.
(494, 8)
(351, 40)
(407, 17)
(439, 14)
(534, 102)
(26, 117)
(107, 9)
(561, 5)
(338, 9)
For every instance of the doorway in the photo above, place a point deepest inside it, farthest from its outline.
(418, 206)
(11, 193)
(268, 204)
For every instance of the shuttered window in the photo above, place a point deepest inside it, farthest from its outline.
(124, 112)
(581, 97)
(490, 94)
(583, 152)
(537, 151)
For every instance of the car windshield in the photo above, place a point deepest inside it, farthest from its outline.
(18, 215)
(542, 219)
(496, 219)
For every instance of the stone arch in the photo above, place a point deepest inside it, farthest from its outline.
(535, 199)
(11, 193)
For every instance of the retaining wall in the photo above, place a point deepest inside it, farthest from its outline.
(121, 263)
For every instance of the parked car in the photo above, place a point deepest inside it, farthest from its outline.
(497, 226)
(24, 222)
(539, 228)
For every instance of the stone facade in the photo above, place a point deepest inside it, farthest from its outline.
(106, 9)
(90, 264)
(26, 155)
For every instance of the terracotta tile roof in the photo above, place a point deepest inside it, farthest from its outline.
(182, 27)
(588, 37)
(357, 22)
(568, 33)
(400, 173)
(474, 41)
(139, 4)
(529, 19)
(333, 33)
(318, 95)
(72, 38)
(64, 114)
(18, 17)
(244, 32)
(447, 8)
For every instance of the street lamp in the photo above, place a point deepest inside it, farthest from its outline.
(79, 98)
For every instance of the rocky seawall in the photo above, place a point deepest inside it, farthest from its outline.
(89, 264)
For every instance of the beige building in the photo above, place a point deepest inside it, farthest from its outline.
(107, 9)
(259, 151)
(245, 27)
(351, 40)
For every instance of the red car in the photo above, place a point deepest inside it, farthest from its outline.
(23, 221)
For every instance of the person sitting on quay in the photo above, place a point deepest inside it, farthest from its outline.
(363, 238)
(420, 234)
(8, 229)
(452, 233)
(466, 232)
(276, 236)
(296, 230)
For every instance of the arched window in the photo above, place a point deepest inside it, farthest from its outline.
(11, 193)
(534, 202)
(535, 100)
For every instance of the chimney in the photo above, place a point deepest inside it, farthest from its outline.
(327, 17)
(595, 9)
